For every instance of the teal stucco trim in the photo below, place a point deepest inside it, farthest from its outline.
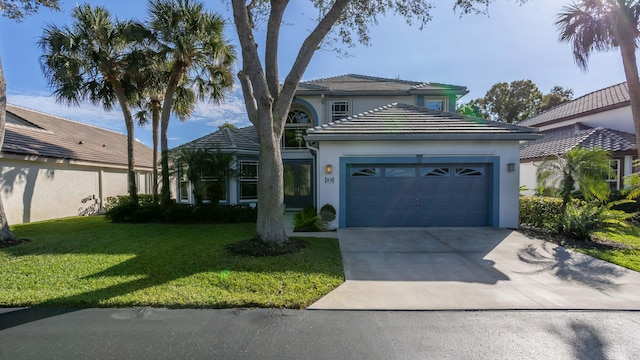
(493, 163)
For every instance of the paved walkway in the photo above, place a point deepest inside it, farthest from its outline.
(472, 269)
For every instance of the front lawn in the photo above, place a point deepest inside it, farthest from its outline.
(89, 262)
(629, 258)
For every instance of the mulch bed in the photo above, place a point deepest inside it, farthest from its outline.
(595, 243)
(258, 248)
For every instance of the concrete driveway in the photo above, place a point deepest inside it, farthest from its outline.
(472, 269)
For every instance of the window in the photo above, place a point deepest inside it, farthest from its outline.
(469, 172)
(368, 171)
(339, 110)
(184, 184)
(298, 121)
(437, 105)
(211, 185)
(614, 177)
(441, 171)
(400, 172)
(248, 180)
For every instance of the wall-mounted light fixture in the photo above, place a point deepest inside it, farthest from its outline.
(511, 167)
(328, 168)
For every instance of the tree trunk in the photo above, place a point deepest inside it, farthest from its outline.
(628, 51)
(128, 120)
(155, 122)
(5, 232)
(269, 226)
(167, 105)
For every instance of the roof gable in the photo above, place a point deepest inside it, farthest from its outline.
(354, 83)
(233, 140)
(408, 121)
(605, 99)
(33, 133)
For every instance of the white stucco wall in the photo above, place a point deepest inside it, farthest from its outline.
(508, 151)
(528, 177)
(618, 119)
(34, 191)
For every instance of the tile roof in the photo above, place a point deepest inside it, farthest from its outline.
(608, 98)
(418, 122)
(34, 133)
(560, 140)
(234, 140)
(350, 83)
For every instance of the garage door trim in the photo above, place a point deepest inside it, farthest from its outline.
(492, 162)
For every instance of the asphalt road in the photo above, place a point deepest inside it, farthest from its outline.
(290, 334)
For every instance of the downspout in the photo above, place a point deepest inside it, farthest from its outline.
(100, 191)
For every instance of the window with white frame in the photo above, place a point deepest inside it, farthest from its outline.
(340, 109)
(437, 105)
(295, 128)
(614, 177)
(248, 180)
(183, 184)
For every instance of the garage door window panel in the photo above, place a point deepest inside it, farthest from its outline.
(435, 172)
(369, 172)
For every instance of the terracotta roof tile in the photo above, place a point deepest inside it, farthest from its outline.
(560, 140)
(406, 119)
(30, 132)
(601, 100)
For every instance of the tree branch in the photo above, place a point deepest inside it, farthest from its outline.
(271, 48)
(249, 100)
(305, 54)
(256, 82)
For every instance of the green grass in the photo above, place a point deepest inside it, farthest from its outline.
(629, 258)
(89, 262)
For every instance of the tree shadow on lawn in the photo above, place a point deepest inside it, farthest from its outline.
(160, 255)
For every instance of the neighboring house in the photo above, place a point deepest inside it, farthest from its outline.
(385, 152)
(600, 119)
(53, 167)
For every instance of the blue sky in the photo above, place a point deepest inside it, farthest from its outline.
(513, 42)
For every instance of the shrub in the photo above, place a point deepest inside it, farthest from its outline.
(125, 212)
(307, 219)
(580, 220)
(327, 213)
(111, 201)
(540, 212)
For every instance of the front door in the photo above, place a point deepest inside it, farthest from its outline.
(298, 186)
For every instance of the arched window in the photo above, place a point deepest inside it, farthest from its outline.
(298, 121)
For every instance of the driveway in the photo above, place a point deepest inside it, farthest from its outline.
(472, 269)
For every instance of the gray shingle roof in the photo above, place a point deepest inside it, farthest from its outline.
(353, 83)
(233, 140)
(560, 140)
(30, 132)
(602, 100)
(409, 121)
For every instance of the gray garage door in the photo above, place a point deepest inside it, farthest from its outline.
(418, 195)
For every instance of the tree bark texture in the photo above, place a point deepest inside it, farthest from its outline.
(128, 119)
(5, 232)
(268, 104)
(155, 123)
(628, 52)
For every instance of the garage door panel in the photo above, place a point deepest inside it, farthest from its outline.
(419, 195)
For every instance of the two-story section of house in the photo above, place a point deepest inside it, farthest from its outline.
(384, 152)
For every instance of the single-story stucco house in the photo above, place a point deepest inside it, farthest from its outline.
(53, 167)
(601, 119)
(384, 152)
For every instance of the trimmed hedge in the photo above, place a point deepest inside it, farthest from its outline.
(541, 212)
(121, 210)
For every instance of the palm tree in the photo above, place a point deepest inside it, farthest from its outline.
(191, 41)
(603, 25)
(197, 163)
(586, 168)
(96, 59)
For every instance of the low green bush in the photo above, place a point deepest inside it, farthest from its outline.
(123, 211)
(540, 212)
(307, 220)
(112, 201)
(581, 219)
